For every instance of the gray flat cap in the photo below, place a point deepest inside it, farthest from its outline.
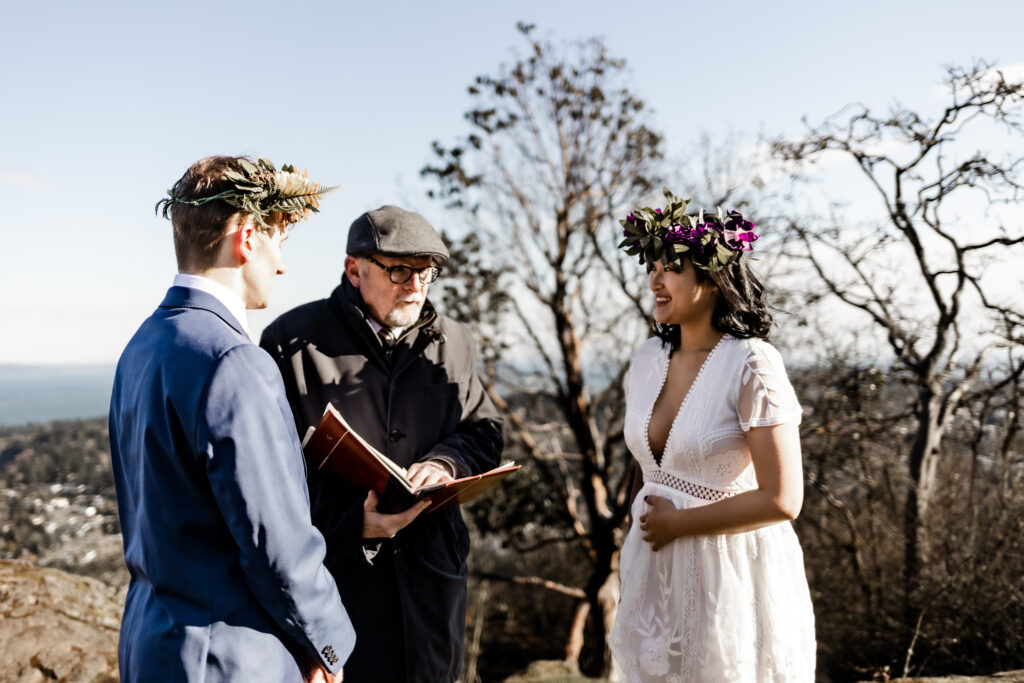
(395, 232)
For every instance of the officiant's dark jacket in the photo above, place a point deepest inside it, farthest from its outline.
(420, 399)
(226, 576)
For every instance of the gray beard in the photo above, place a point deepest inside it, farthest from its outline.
(403, 316)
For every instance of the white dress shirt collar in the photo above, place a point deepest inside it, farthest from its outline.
(231, 301)
(396, 332)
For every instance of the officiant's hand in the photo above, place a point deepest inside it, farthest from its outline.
(380, 525)
(428, 473)
(660, 522)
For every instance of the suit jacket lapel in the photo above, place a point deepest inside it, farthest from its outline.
(186, 297)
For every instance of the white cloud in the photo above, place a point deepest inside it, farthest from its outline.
(22, 180)
(1013, 73)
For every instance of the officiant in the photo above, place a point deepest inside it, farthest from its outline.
(405, 378)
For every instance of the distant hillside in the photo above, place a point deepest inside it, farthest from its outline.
(57, 502)
(41, 393)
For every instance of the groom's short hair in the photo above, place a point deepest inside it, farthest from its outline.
(198, 229)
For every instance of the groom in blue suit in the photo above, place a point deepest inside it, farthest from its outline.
(227, 579)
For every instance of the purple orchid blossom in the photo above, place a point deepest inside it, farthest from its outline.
(738, 232)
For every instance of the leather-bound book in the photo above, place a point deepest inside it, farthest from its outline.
(337, 449)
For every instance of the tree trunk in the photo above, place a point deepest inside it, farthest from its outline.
(602, 601)
(608, 598)
(922, 465)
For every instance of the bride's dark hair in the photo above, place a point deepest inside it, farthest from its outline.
(742, 308)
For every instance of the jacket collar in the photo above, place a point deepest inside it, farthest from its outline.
(186, 297)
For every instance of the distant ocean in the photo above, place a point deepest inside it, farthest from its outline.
(41, 393)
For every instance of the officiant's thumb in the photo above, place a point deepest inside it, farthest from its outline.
(370, 504)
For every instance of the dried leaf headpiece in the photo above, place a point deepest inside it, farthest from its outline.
(260, 190)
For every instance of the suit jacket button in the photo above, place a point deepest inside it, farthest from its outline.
(395, 435)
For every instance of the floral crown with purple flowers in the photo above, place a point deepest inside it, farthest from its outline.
(710, 241)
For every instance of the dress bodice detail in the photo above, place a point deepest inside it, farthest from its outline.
(741, 384)
(682, 405)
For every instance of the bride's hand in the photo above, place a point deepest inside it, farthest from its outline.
(659, 523)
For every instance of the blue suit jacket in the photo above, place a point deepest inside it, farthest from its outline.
(227, 580)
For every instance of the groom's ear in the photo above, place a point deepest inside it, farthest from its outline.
(243, 241)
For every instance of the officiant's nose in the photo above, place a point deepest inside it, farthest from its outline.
(415, 284)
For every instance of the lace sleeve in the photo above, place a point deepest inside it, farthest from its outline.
(765, 395)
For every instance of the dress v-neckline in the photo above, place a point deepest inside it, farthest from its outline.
(682, 404)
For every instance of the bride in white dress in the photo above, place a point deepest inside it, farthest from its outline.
(713, 583)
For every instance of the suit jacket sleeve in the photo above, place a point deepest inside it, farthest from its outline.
(257, 475)
(337, 510)
(476, 445)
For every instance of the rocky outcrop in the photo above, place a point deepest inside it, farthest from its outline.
(56, 626)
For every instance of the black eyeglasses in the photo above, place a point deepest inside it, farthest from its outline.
(401, 274)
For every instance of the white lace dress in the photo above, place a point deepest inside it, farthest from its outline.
(733, 607)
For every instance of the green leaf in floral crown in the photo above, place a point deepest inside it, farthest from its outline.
(659, 250)
(723, 252)
(679, 213)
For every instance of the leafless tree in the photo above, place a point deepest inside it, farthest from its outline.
(557, 148)
(917, 274)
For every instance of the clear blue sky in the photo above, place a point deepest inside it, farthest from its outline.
(103, 105)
